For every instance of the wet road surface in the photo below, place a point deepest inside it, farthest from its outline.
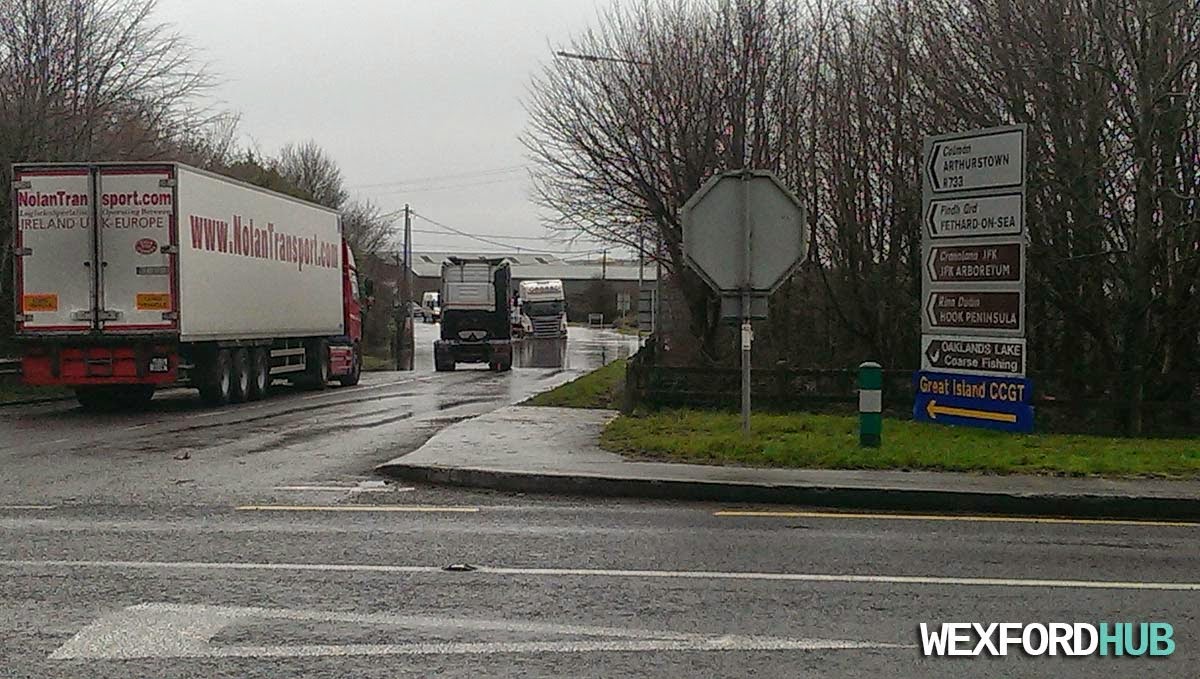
(270, 550)
(179, 451)
(352, 582)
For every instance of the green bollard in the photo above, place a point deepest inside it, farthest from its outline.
(870, 405)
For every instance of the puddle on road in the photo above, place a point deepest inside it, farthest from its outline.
(541, 353)
(583, 350)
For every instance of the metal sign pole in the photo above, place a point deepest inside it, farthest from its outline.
(771, 223)
(747, 339)
(747, 330)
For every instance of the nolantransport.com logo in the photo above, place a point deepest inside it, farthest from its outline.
(1115, 639)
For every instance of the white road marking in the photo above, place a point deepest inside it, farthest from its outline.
(416, 509)
(613, 573)
(345, 489)
(727, 643)
(780, 514)
(23, 507)
(339, 489)
(180, 630)
(371, 487)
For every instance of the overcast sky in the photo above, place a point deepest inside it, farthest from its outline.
(426, 92)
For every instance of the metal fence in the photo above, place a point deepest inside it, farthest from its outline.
(771, 389)
(1058, 409)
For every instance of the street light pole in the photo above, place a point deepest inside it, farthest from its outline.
(594, 58)
(654, 303)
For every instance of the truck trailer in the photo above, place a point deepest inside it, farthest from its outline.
(131, 277)
(476, 327)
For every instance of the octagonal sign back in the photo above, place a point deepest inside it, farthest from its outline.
(732, 207)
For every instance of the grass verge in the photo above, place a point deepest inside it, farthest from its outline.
(598, 389)
(376, 363)
(831, 442)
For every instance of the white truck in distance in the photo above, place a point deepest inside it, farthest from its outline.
(543, 308)
(431, 307)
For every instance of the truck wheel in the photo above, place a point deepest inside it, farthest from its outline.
(443, 365)
(239, 383)
(504, 365)
(133, 397)
(94, 399)
(318, 367)
(260, 373)
(217, 385)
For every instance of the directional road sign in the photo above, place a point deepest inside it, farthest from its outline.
(973, 280)
(976, 310)
(974, 400)
(975, 263)
(988, 159)
(978, 216)
(744, 231)
(977, 355)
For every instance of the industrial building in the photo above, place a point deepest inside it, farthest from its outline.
(592, 284)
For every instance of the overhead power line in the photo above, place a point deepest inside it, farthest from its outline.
(437, 178)
(483, 235)
(466, 234)
(431, 248)
(434, 187)
(491, 239)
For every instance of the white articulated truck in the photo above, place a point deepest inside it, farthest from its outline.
(543, 308)
(136, 276)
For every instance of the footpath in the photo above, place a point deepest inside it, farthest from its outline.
(556, 450)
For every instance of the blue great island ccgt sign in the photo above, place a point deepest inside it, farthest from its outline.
(1001, 403)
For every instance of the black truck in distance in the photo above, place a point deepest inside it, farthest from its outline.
(476, 308)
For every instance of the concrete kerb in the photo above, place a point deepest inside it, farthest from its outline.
(833, 497)
(35, 401)
(531, 449)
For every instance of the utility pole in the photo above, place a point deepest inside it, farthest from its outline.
(404, 320)
(398, 313)
(604, 265)
(408, 258)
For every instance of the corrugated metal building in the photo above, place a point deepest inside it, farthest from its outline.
(591, 284)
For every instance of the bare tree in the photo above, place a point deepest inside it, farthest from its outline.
(1109, 91)
(835, 96)
(867, 192)
(367, 229)
(309, 168)
(85, 80)
(683, 89)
